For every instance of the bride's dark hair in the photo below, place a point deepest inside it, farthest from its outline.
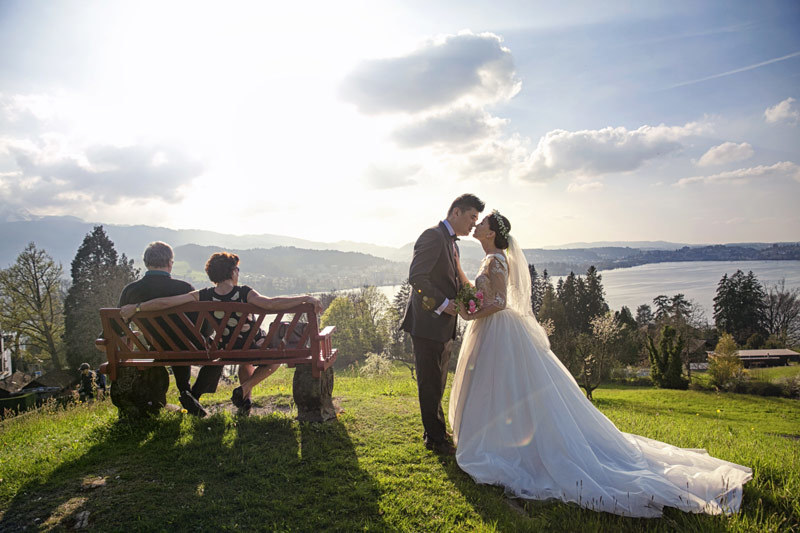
(501, 227)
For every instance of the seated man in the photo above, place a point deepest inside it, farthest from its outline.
(88, 386)
(158, 282)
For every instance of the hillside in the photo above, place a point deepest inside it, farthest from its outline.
(366, 471)
(289, 270)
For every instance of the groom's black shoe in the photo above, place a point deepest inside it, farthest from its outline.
(441, 447)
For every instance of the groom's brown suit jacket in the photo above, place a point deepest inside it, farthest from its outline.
(433, 277)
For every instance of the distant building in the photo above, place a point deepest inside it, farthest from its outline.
(5, 358)
(771, 357)
(13, 384)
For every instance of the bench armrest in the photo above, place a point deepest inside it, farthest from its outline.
(327, 331)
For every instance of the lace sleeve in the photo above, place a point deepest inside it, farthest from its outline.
(498, 277)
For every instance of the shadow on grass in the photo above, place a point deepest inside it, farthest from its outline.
(218, 473)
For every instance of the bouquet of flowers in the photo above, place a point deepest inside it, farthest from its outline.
(470, 298)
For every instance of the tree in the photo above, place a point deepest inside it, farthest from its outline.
(359, 325)
(538, 287)
(782, 314)
(665, 360)
(725, 367)
(98, 277)
(625, 317)
(400, 348)
(726, 345)
(739, 306)
(628, 345)
(597, 351)
(644, 316)
(594, 295)
(31, 305)
(662, 305)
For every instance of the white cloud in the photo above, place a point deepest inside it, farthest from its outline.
(727, 152)
(453, 127)
(591, 186)
(782, 111)
(385, 176)
(783, 169)
(466, 68)
(50, 173)
(589, 153)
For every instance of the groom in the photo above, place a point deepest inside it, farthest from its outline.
(431, 312)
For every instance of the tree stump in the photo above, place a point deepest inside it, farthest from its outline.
(313, 397)
(137, 393)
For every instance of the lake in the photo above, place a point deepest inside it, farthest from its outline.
(697, 280)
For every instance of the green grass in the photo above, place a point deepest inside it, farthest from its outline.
(366, 471)
(773, 373)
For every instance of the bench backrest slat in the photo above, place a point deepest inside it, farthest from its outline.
(167, 336)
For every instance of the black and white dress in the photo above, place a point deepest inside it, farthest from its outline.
(237, 294)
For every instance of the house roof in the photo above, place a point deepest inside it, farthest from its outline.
(56, 378)
(694, 345)
(15, 382)
(764, 353)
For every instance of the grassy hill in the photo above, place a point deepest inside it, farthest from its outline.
(366, 471)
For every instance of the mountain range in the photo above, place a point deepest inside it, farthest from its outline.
(277, 264)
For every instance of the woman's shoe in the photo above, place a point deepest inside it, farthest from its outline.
(237, 398)
(244, 409)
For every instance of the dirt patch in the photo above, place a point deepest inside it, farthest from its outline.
(263, 406)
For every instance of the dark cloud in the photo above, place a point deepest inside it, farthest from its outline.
(439, 74)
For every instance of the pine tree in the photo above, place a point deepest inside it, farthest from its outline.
(739, 306)
(644, 316)
(98, 277)
(661, 303)
(400, 300)
(595, 295)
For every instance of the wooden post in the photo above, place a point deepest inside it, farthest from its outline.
(313, 396)
(137, 393)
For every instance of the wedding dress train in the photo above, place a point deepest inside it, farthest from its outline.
(520, 420)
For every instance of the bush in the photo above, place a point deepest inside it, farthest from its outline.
(790, 386)
(726, 372)
(762, 388)
(375, 365)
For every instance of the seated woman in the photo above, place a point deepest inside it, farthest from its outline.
(223, 270)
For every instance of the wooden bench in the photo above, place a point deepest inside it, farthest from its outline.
(191, 335)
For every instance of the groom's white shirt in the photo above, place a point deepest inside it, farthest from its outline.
(446, 300)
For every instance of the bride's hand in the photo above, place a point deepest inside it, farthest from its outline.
(463, 313)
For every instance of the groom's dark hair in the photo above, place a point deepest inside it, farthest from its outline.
(465, 201)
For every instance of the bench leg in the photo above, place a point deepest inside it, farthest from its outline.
(313, 396)
(137, 393)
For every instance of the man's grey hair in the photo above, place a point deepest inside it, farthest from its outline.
(158, 255)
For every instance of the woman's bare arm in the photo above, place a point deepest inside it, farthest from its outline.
(276, 305)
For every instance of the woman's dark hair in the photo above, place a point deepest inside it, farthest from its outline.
(501, 227)
(220, 265)
(465, 201)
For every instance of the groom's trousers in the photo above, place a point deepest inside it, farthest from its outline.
(431, 359)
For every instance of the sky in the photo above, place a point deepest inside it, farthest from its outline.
(580, 121)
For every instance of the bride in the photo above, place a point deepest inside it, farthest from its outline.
(520, 420)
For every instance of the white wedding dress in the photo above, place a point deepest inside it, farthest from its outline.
(520, 420)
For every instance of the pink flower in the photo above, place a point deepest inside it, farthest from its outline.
(479, 295)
